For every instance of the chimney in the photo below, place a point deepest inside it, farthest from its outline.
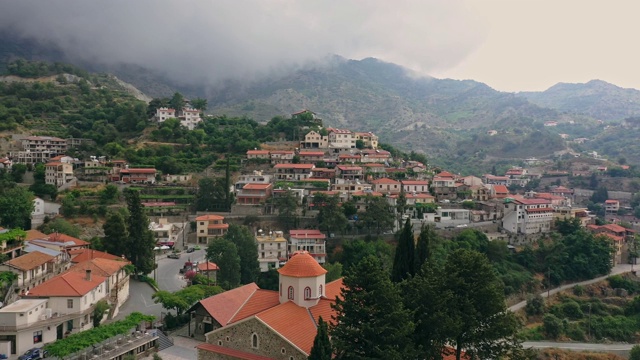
(88, 274)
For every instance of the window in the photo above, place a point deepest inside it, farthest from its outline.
(37, 337)
(280, 289)
(290, 293)
(69, 303)
(320, 291)
(254, 340)
(307, 293)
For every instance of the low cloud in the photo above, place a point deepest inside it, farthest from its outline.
(203, 42)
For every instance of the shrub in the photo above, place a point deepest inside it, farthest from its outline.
(578, 290)
(552, 326)
(620, 282)
(535, 305)
(571, 309)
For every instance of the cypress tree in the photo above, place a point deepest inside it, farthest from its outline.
(404, 262)
(321, 349)
(423, 248)
(140, 240)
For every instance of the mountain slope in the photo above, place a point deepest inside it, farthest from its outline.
(597, 99)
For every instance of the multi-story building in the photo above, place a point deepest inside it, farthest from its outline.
(311, 157)
(209, 227)
(257, 154)
(32, 269)
(444, 186)
(29, 323)
(369, 139)
(282, 156)
(312, 241)
(348, 172)
(417, 186)
(138, 176)
(116, 278)
(612, 206)
(293, 171)
(164, 113)
(189, 118)
(39, 149)
(256, 178)
(58, 173)
(341, 139)
(527, 216)
(254, 194)
(569, 212)
(386, 186)
(272, 249)
(313, 140)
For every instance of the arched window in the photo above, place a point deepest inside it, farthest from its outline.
(290, 293)
(307, 293)
(254, 340)
(320, 291)
(280, 289)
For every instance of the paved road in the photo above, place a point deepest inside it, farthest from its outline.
(139, 301)
(168, 276)
(577, 346)
(618, 269)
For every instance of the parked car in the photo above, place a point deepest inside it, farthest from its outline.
(190, 250)
(35, 353)
(197, 247)
(462, 226)
(174, 256)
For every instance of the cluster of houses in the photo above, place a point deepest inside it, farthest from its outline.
(59, 284)
(188, 116)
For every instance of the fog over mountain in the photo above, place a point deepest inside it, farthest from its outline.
(203, 42)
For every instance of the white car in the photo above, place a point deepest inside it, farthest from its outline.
(462, 226)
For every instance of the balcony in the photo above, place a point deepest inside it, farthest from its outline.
(54, 320)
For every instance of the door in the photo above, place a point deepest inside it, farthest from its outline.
(59, 331)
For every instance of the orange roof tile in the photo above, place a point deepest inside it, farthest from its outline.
(69, 284)
(323, 308)
(293, 323)
(294, 166)
(30, 261)
(259, 301)
(385, 181)
(100, 267)
(232, 353)
(307, 234)
(254, 186)
(209, 218)
(500, 189)
(208, 266)
(218, 226)
(614, 228)
(302, 265)
(333, 289)
(445, 174)
(224, 306)
(81, 255)
(35, 234)
(59, 237)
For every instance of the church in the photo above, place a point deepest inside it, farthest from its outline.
(255, 324)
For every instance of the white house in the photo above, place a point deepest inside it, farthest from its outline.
(272, 249)
(527, 216)
(37, 215)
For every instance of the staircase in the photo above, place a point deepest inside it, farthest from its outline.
(164, 341)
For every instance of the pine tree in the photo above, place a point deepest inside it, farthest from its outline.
(224, 253)
(404, 262)
(116, 235)
(140, 242)
(245, 242)
(371, 321)
(321, 349)
(423, 248)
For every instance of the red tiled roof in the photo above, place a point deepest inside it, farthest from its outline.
(611, 202)
(232, 353)
(614, 228)
(445, 174)
(323, 308)
(618, 239)
(81, 255)
(385, 181)
(218, 226)
(294, 166)
(259, 301)
(293, 323)
(415, 182)
(100, 267)
(254, 186)
(333, 289)
(224, 306)
(500, 189)
(58, 237)
(257, 152)
(302, 265)
(69, 284)
(366, 193)
(211, 266)
(209, 218)
(138, 171)
(30, 261)
(311, 153)
(53, 163)
(346, 167)
(307, 234)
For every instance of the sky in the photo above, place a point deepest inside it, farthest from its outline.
(511, 45)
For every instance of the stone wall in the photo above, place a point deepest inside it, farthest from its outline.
(238, 336)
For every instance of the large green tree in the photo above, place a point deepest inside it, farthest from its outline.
(426, 241)
(482, 326)
(212, 195)
(116, 234)
(140, 242)
(404, 261)
(378, 216)
(199, 103)
(371, 320)
(16, 204)
(247, 247)
(177, 101)
(331, 217)
(224, 253)
(321, 349)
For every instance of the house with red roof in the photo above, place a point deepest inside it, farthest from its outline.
(415, 186)
(499, 191)
(116, 278)
(281, 156)
(611, 206)
(310, 240)
(444, 186)
(254, 194)
(263, 324)
(257, 154)
(32, 269)
(58, 173)
(386, 186)
(310, 157)
(293, 171)
(209, 227)
(349, 172)
(138, 176)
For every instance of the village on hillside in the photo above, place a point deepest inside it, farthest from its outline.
(61, 280)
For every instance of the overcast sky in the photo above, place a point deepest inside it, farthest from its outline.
(511, 45)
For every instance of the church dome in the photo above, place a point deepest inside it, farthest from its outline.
(302, 265)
